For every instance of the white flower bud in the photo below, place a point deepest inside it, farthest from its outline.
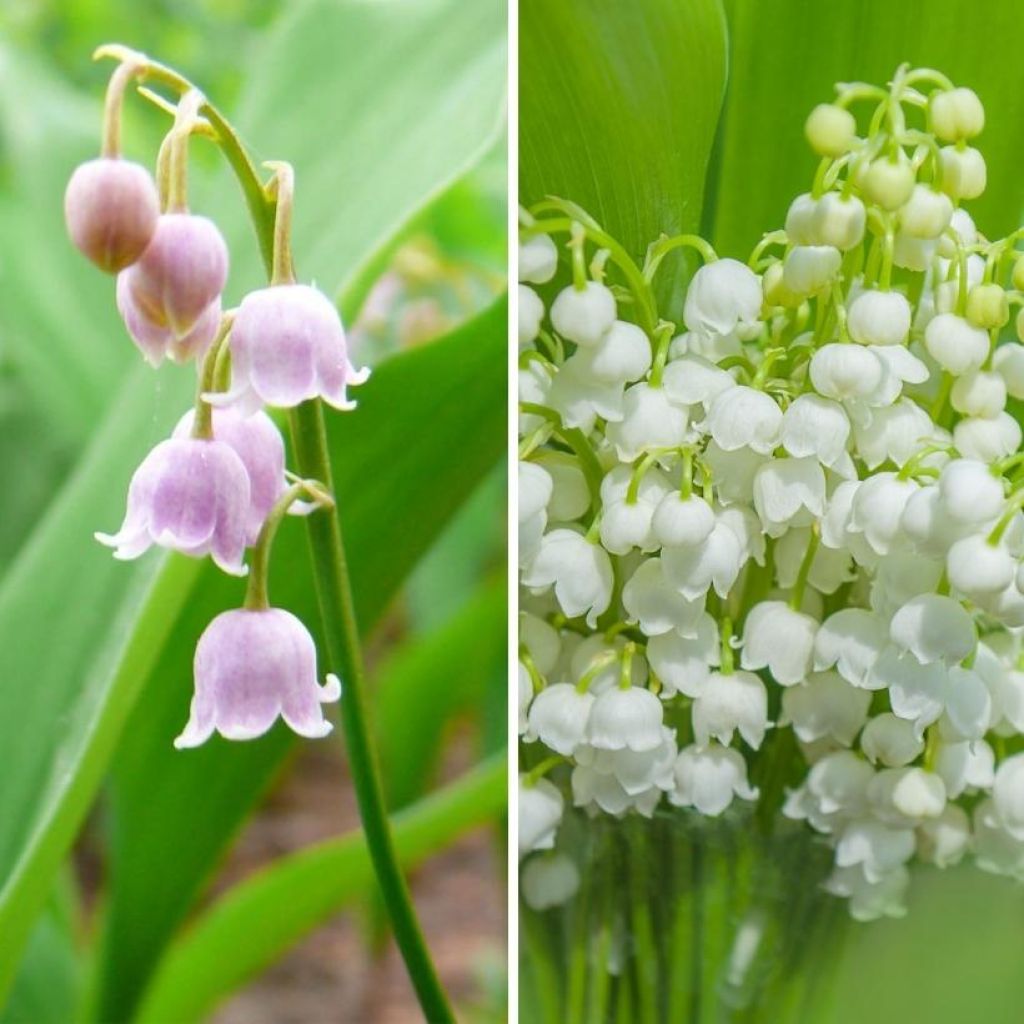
(810, 269)
(963, 224)
(584, 316)
(535, 486)
(538, 259)
(877, 509)
(570, 498)
(926, 214)
(879, 318)
(970, 492)
(955, 344)
(839, 221)
(933, 627)
(956, 114)
(709, 779)
(776, 291)
(890, 741)
(977, 568)
(531, 313)
(830, 130)
(987, 440)
(1008, 795)
(988, 306)
(723, 296)
(682, 521)
(789, 492)
(944, 840)
(1008, 362)
(888, 181)
(558, 717)
(743, 417)
(825, 706)
(913, 254)
(540, 814)
(549, 881)
(683, 664)
(626, 719)
(800, 220)
(845, 372)
(780, 639)
(981, 393)
(622, 355)
(581, 573)
(729, 703)
(964, 175)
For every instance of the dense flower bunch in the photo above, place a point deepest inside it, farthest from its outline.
(218, 485)
(776, 557)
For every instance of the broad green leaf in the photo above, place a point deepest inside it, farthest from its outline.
(617, 107)
(81, 655)
(231, 941)
(398, 479)
(785, 58)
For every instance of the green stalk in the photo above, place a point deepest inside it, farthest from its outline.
(330, 572)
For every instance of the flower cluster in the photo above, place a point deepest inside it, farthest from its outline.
(218, 485)
(776, 556)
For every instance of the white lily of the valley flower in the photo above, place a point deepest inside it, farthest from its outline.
(927, 524)
(626, 719)
(934, 628)
(871, 899)
(683, 664)
(780, 639)
(680, 521)
(838, 221)
(845, 372)
(830, 568)
(825, 706)
(809, 269)
(944, 840)
(535, 488)
(538, 259)
(742, 417)
(969, 765)
(789, 492)
(584, 315)
(549, 881)
(852, 640)
(570, 498)
(623, 354)
(926, 214)
(817, 427)
(542, 641)
(627, 524)
(694, 380)
(1008, 362)
(580, 571)
(879, 318)
(601, 661)
(835, 791)
(723, 296)
(656, 606)
(877, 509)
(729, 703)
(580, 398)
(733, 472)
(893, 433)
(956, 345)
(995, 849)
(877, 848)
(987, 439)
(540, 813)
(650, 419)
(558, 717)
(531, 314)
(969, 491)
(1008, 795)
(715, 562)
(708, 778)
(977, 567)
(980, 394)
(891, 741)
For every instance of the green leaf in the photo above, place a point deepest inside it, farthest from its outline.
(397, 484)
(231, 941)
(764, 160)
(617, 105)
(399, 120)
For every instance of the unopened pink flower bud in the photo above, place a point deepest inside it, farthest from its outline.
(287, 346)
(157, 342)
(111, 209)
(190, 495)
(258, 443)
(181, 273)
(250, 667)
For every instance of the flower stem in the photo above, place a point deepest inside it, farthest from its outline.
(256, 595)
(112, 104)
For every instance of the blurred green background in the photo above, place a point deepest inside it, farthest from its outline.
(399, 150)
(687, 115)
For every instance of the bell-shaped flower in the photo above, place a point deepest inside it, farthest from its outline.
(623, 354)
(877, 848)
(251, 666)
(900, 576)
(535, 487)
(943, 841)
(596, 788)
(926, 214)
(584, 315)
(533, 383)
(626, 524)
(934, 628)
(524, 697)
(995, 848)
(538, 259)
(981, 394)
(580, 397)
(549, 880)
(845, 372)
(870, 898)
(715, 562)
(837, 220)
(987, 440)
(851, 640)
(530, 308)
(656, 606)
(258, 443)
(966, 766)
(581, 573)
(558, 717)
(877, 510)
(683, 664)
(723, 296)
(1008, 362)
(817, 427)
(287, 346)
(540, 813)
(693, 380)
(626, 719)
(835, 791)
(789, 492)
(682, 522)
(1008, 795)
(955, 344)
(542, 640)
(600, 660)
(893, 433)
(708, 778)
(977, 567)
(810, 269)
(742, 417)
(650, 419)
(780, 639)
(879, 318)
(899, 366)
(830, 568)
(180, 273)
(891, 741)
(190, 495)
(905, 796)
(970, 493)
(733, 472)
(728, 703)
(570, 496)
(636, 772)
(155, 340)
(929, 526)
(825, 706)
